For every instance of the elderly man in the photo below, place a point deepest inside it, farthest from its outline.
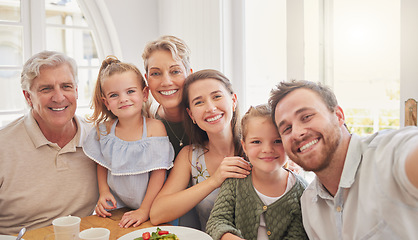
(365, 187)
(44, 173)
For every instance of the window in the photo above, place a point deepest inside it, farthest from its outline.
(67, 31)
(57, 25)
(362, 43)
(265, 57)
(11, 52)
(351, 46)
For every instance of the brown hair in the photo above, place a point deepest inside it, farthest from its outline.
(196, 134)
(111, 65)
(284, 88)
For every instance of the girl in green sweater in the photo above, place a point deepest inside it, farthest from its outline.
(266, 204)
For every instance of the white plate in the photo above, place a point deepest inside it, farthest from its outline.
(183, 233)
(8, 237)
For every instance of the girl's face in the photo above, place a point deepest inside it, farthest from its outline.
(263, 146)
(124, 94)
(211, 105)
(166, 78)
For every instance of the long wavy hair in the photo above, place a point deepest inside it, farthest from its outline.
(196, 134)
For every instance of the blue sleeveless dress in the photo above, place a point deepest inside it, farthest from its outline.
(129, 163)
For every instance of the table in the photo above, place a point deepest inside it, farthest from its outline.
(110, 223)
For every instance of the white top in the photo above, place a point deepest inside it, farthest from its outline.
(375, 199)
(262, 229)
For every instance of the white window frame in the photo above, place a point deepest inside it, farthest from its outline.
(34, 26)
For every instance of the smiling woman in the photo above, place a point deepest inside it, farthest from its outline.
(215, 153)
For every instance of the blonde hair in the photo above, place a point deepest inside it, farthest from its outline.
(258, 111)
(178, 48)
(110, 66)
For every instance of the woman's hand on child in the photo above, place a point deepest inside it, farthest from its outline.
(103, 204)
(134, 218)
(231, 167)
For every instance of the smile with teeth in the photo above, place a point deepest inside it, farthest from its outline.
(212, 119)
(166, 93)
(58, 109)
(306, 146)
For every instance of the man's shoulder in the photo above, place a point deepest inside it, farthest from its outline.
(12, 127)
(83, 124)
(391, 136)
(312, 190)
(84, 128)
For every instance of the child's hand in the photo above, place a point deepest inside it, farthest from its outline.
(103, 204)
(134, 218)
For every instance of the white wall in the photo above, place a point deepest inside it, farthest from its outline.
(213, 29)
(199, 23)
(135, 23)
(207, 25)
(409, 53)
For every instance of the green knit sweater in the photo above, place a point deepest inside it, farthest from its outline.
(238, 208)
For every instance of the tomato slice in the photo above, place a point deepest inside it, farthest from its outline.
(162, 232)
(146, 235)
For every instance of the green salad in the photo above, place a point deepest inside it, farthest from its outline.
(159, 234)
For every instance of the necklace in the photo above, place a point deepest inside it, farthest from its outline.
(180, 140)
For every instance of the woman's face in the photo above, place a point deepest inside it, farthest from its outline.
(166, 78)
(211, 105)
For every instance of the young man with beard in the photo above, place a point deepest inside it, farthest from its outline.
(365, 187)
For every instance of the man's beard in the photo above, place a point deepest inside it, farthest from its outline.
(330, 146)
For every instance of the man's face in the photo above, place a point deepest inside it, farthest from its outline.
(310, 132)
(53, 97)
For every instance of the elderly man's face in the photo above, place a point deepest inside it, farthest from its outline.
(53, 97)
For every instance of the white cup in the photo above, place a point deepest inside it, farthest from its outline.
(95, 234)
(61, 236)
(66, 225)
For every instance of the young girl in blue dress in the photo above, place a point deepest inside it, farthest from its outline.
(132, 151)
